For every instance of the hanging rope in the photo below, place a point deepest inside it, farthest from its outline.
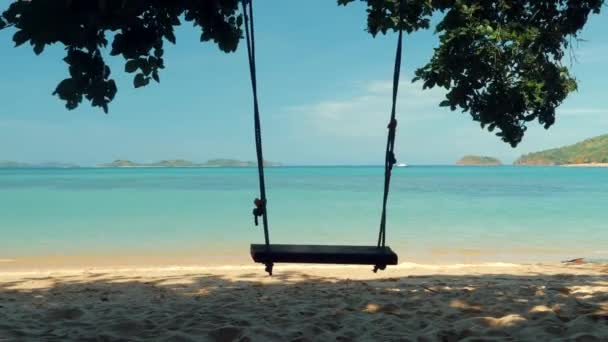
(260, 209)
(390, 159)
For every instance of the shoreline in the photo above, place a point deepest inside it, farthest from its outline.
(586, 165)
(237, 256)
(68, 268)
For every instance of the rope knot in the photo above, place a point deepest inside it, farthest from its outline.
(259, 210)
(393, 124)
(391, 159)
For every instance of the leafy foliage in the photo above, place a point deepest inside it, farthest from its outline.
(594, 150)
(499, 60)
(502, 62)
(139, 30)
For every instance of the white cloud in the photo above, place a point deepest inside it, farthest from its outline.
(351, 126)
(367, 113)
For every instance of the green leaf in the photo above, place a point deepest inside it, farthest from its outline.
(155, 76)
(430, 83)
(131, 65)
(444, 103)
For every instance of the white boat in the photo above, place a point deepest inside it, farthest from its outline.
(402, 165)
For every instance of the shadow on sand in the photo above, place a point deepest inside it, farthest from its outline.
(294, 306)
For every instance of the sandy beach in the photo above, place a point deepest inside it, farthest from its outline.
(587, 165)
(409, 302)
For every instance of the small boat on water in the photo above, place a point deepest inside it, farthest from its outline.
(402, 165)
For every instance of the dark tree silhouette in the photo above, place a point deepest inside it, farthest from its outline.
(499, 60)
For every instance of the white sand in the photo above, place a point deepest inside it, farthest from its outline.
(588, 165)
(409, 302)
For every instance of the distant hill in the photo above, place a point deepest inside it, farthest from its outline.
(478, 160)
(56, 165)
(5, 164)
(590, 151)
(173, 163)
(121, 163)
(231, 162)
(49, 165)
(187, 163)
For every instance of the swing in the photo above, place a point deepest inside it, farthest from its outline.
(268, 254)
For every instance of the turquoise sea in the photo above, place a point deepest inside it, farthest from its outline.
(437, 214)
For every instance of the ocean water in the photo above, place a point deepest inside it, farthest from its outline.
(437, 214)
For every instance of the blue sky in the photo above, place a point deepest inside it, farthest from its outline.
(325, 99)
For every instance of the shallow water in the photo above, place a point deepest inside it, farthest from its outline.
(203, 215)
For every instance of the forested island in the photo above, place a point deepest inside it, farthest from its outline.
(478, 160)
(590, 152)
(129, 163)
(5, 164)
(187, 163)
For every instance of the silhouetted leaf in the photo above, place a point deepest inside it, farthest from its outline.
(20, 37)
(131, 66)
(66, 86)
(498, 60)
(170, 36)
(111, 89)
(38, 48)
(139, 81)
(145, 66)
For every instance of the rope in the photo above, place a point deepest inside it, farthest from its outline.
(260, 209)
(390, 160)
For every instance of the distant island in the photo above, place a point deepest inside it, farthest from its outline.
(187, 163)
(478, 160)
(590, 152)
(4, 164)
(128, 163)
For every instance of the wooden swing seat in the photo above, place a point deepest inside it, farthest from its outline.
(324, 254)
